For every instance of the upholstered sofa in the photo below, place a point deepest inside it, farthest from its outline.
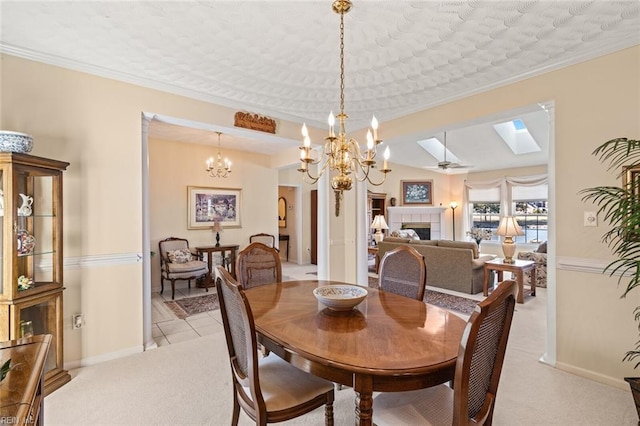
(540, 257)
(452, 265)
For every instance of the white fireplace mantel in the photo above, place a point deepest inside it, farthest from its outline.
(418, 214)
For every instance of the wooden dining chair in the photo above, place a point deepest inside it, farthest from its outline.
(269, 390)
(258, 264)
(403, 271)
(266, 239)
(478, 368)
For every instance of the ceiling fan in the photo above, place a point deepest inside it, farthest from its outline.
(444, 165)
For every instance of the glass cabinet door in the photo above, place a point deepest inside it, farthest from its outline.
(35, 233)
(39, 317)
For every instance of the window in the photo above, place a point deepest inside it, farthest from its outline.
(532, 218)
(485, 208)
(486, 215)
(525, 198)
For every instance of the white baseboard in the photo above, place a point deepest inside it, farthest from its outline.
(596, 377)
(85, 362)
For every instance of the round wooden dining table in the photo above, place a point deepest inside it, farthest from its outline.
(387, 343)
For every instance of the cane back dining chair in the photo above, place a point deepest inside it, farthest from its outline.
(258, 264)
(178, 263)
(266, 239)
(478, 368)
(403, 271)
(269, 390)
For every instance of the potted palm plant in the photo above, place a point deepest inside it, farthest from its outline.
(620, 207)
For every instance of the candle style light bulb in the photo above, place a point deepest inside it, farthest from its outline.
(332, 121)
(307, 142)
(387, 154)
(369, 140)
(305, 132)
(374, 126)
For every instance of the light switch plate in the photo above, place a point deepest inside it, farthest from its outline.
(590, 219)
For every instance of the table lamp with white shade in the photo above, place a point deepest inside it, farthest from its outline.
(379, 224)
(508, 229)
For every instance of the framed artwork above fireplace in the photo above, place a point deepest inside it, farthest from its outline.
(417, 192)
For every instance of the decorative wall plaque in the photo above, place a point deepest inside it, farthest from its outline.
(254, 122)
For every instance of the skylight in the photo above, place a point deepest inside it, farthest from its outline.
(436, 149)
(517, 137)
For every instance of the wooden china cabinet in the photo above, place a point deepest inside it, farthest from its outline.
(31, 283)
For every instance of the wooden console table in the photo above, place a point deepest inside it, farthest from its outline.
(284, 237)
(22, 390)
(518, 268)
(229, 263)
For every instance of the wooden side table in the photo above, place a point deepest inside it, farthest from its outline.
(518, 268)
(229, 264)
(284, 237)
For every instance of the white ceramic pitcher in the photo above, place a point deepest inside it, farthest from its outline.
(25, 208)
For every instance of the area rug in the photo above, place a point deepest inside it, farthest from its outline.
(186, 307)
(442, 300)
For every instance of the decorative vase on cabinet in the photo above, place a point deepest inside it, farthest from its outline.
(31, 279)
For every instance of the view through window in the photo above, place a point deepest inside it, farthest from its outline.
(530, 214)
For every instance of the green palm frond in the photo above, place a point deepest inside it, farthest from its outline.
(618, 152)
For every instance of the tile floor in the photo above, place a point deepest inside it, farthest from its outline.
(167, 328)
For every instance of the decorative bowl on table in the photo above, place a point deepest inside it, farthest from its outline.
(15, 142)
(342, 297)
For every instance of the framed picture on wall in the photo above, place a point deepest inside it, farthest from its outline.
(631, 183)
(209, 205)
(416, 192)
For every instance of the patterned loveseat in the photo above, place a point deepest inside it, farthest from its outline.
(540, 257)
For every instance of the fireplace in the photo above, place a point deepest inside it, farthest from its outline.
(416, 217)
(422, 229)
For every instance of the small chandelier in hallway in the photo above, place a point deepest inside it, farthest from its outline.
(222, 168)
(341, 153)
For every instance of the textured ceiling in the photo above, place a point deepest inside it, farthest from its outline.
(281, 58)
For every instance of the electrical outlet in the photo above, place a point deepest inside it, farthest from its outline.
(590, 219)
(77, 321)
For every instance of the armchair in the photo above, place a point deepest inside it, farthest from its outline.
(177, 263)
(540, 257)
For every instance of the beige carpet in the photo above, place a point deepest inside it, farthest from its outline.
(187, 383)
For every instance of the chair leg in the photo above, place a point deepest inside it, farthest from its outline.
(161, 284)
(236, 412)
(173, 289)
(328, 414)
(189, 283)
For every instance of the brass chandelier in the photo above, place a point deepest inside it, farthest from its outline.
(221, 168)
(341, 153)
